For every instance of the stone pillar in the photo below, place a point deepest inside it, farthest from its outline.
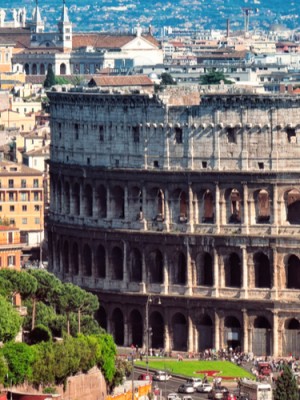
(190, 158)
(125, 271)
(250, 337)
(108, 207)
(167, 345)
(246, 212)
(217, 205)
(93, 266)
(245, 331)
(223, 216)
(245, 271)
(166, 273)
(189, 280)
(95, 208)
(276, 211)
(190, 343)
(275, 287)
(126, 334)
(216, 272)
(217, 332)
(144, 282)
(81, 200)
(126, 216)
(107, 264)
(144, 205)
(191, 209)
(275, 334)
(167, 213)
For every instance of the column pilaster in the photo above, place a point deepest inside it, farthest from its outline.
(245, 271)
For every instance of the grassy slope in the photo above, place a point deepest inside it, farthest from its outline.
(190, 368)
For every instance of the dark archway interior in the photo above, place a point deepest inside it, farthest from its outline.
(262, 323)
(180, 277)
(207, 270)
(76, 199)
(156, 265)
(87, 261)
(101, 317)
(208, 216)
(88, 201)
(292, 324)
(233, 273)
(136, 266)
(75, 259)
(137, 328)
(117, 264)
(66, 258)
(179, 329)
(156, 335)
(293, 273)
(293, 207)
(100, 262)
(101, 201)
(262, 271)
(118, 327)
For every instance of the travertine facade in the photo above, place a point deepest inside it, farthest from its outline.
(192, 200)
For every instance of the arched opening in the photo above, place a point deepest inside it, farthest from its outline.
(234, 207)
(101, 201)
(262, 270)
(233, 273)
(137, 329)
(136, 203)
(180, 270)
(183, 207)
(87, 260)
(62, 69)
(293, 273)
(101, 317)
(263, 207)
(179, 332)
(135, 260)
(232, 333)
(208, 208)
(66, 258)
(88, 201)
(57, 256)
(75, 259)
(117, 264)
(291, 338)
(205, 332)
(205, 270)
(117, 202)
(156, 267)
(58, 197)
(34, 69)
(100, 262)
(118, 327)
(156, 335)
(76, 199)
(42, 69)
(160, 206)
(262, 335)
(26, 69)
(293, 207)
(67, 198)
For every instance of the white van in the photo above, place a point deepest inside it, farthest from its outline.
(255, 390)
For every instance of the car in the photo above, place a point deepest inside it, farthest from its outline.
(204, 388)
(145, 377)
(194, 381)
(186, 388)
(173, 396)
(229, 396)
(218, 393)
(161, 376)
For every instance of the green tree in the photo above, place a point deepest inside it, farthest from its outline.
(10, 321)
(106, 356)
(123, 368)
(39, 334)
(20, 358)
(67, 360)
(214, 78)
(43, 369)
(286, 386)
(3, 370)
(50, 78)
(45, 315)
(167, 79)
(19, 282)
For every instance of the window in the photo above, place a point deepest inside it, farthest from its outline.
(24, 221)
(12, 208)
(136, 134)
(12, 221)
(178, 135)
(11, 260)
(204, 164)
(10, 197)
(76, 127)
(35, 183)
(23, 183)
(23, 196)
(155, 164)
(37, 221)
(10, 183)
(101, 133)
(1, 208)
(10, 237)
(36, 196)
(261, 165)
(291, 134)
(88, 161)
(24, 208)
(231, 135)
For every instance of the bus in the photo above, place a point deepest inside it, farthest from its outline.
(255, 390)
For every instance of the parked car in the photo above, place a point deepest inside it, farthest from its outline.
(186, 388)
(218, 393)
(145, 377)
(173, 396)
(161, 376)
(204, 388)
(194, 381)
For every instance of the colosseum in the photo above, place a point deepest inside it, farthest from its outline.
(181, 210)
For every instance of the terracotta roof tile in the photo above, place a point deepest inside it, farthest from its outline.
(105, 40)
(119, 81)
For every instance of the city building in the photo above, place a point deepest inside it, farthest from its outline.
(21, 201)
(181, 210)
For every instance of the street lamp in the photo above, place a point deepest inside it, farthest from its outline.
(149, 301)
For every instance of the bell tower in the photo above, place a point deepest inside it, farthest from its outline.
(65, 29)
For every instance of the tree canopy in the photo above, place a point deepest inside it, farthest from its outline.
(214, 78)
(10, 321)
(50, 78)
(286, 386)
(167, 79)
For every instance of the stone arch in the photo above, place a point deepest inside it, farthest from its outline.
(101, 317)
(179, 206)
(156, 267)
(42, 69)
(208, 207)
(180, 270)
(117, 263)
(88, 201)
(291, 337)
(157, 328)
(117, 320)
(76, 199)
(233, 271)
(233, 206)
(67, 197)
(262, 335)
(292, 200)
(117, 203)
(205, 269)
(87, 260)
(66, 257)
(262, 206)
(205, 332)
(75, 259)
(232, 333)
(293, 272)
(135, 265)
(100, 262)
(262, 270)
(26, 69)
(179, 332)
(135, 203)
(34, 69)
(62, 69)
(137, 328)
(101, 201)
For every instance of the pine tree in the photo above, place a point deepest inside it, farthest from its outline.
(50, 78)
(286, 386)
